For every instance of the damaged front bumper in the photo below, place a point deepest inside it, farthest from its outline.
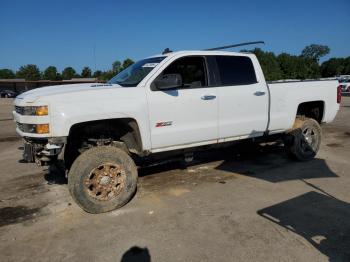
(43, 151)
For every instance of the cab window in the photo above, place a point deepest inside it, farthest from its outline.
(236, 70)
(191, 69)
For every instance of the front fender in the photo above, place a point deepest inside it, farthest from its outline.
(64, 117)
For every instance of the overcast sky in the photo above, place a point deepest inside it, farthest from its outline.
(65, 33)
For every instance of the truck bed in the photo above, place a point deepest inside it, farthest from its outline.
(287, 96)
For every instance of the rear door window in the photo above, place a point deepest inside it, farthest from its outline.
(236, 70)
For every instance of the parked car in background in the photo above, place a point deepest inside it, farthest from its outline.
(345, 84)
(7, 94)
(339, 77)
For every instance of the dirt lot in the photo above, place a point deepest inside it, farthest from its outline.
(232, 205)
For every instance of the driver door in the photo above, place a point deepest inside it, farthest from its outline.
(185, 116)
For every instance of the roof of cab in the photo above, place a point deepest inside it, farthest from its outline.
(201, 52)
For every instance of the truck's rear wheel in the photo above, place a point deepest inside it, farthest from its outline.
(304, 141)
(102, 179)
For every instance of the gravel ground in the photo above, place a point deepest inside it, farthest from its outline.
(230, 205)
(7, 126)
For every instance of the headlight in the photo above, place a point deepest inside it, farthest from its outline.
(32, 110)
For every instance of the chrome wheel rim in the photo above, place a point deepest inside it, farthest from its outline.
(309, 139)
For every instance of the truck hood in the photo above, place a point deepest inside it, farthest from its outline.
(32, 95)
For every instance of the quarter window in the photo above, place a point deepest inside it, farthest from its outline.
(236, 70)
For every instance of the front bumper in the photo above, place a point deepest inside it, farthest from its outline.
(41, 148)
(43, 151)
(22, 121)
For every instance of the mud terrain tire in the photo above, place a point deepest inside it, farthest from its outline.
(303, 142)
(102, 179)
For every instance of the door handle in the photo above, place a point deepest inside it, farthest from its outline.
(208, 97)
(259, 93)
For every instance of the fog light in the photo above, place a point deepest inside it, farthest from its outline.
(42, 129)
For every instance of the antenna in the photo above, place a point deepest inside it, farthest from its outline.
(235, 45)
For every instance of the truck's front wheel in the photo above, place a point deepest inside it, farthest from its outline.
(304, 141)
(102, 179)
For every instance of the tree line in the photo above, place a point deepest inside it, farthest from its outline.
(283, 66)
(32, 72)
(304, 66)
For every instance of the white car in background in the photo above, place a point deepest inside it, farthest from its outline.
(345, 84)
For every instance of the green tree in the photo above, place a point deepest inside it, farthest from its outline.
(59, 76)
(315, 52)
(50, 73)
(292, 66)
(105, 76)
(68, 73)
(333, 67)
(6, 74)
(97, 74)
(312, 68)
(269, 64)
(117, 67)
(298, 67)
(127, 62)
(29, 72)
(86, 72)
(346, 70)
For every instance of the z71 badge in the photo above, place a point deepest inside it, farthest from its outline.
(161, 124)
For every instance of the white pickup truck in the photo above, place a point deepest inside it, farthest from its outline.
(165, 105)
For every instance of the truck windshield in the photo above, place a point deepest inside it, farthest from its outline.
(134, 74)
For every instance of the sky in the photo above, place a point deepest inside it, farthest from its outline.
(96, 33)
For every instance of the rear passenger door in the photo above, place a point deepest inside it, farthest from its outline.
(243, 100)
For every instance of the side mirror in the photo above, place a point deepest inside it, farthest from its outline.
(168, 81)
